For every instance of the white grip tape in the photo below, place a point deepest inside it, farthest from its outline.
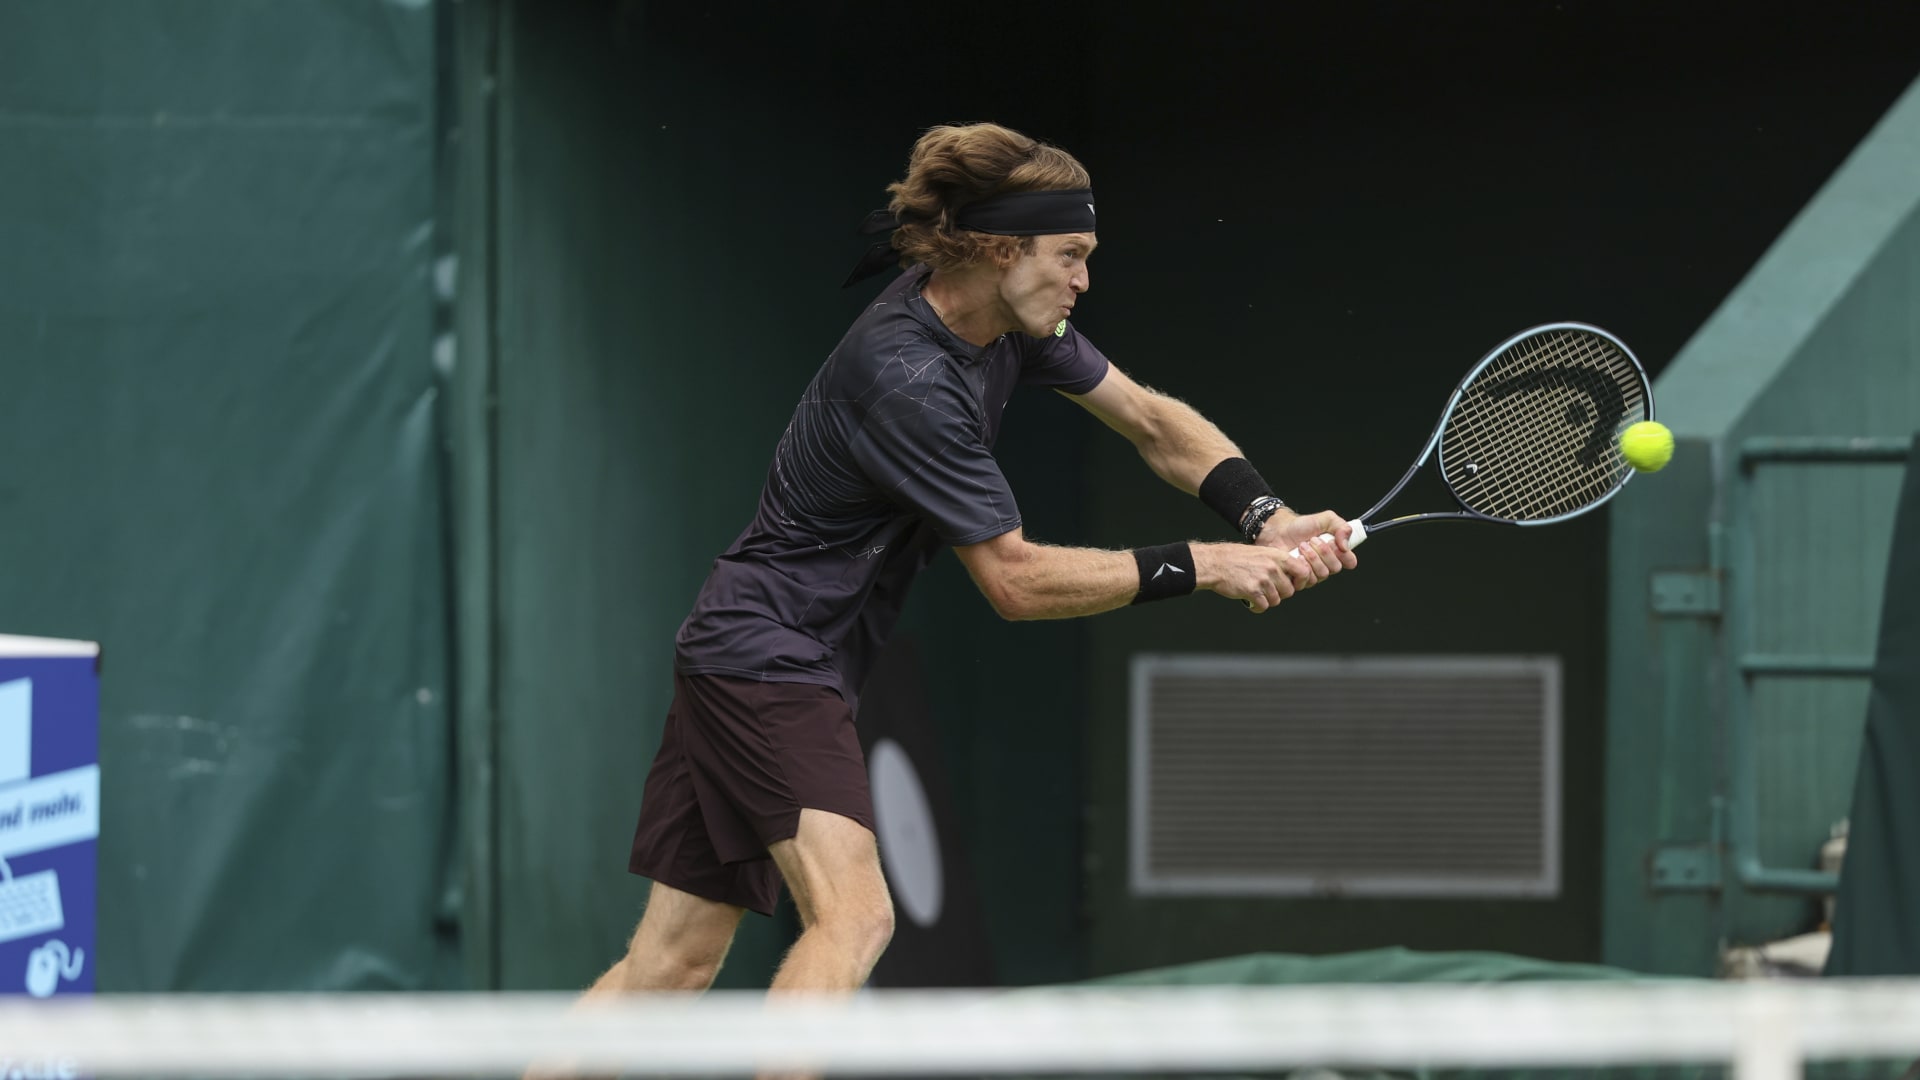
(1359, 537)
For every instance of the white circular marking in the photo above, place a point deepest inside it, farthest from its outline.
(909, 842)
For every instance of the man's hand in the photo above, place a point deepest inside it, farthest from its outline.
(1260, 576)
(1318, 559)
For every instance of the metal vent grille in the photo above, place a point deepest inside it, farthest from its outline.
(1377, 776)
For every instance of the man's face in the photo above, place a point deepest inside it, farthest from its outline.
(1041, 287)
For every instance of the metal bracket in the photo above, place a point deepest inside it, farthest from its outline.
(1686, 868)
(1685, 592)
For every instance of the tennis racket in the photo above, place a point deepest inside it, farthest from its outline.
(1532, 435)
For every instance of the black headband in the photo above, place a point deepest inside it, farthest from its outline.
(1030, 213)
(1018, 213)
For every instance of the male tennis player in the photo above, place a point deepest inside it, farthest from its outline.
(888, 458)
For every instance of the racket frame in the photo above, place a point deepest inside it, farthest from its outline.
(1465, 514)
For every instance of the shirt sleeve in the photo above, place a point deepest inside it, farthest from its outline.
(1066, 361)
(922, 446)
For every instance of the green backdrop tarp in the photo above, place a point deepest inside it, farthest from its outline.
(1390, 965)
(221, 460)
(1876, 922)
(1409, 966)
(1401, 966)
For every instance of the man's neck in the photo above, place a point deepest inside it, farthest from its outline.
(969, 304)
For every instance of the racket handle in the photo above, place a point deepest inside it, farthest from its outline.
(1359, 537)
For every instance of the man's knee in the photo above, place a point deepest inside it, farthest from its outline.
(689, 962)
(695, 970)
(832, 866)
(876, 925)
(866, 925)
(681, 941)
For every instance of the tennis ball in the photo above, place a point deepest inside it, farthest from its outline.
(1647, 445)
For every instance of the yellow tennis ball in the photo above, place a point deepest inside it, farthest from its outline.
(1647, 445)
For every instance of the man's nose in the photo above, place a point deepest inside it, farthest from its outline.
(1082, 281)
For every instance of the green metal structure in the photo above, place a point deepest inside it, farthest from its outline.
(1746, 579)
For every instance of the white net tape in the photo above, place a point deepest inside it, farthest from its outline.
(1764, 1030)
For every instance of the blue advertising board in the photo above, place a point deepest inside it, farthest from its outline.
(49, 814)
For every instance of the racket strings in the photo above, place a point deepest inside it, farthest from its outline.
(1535, 435)
(1546, 428)
(1562, 478)
(1544, 438)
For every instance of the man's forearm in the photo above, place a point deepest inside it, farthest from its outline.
(1024, 580)
(1181, 446)
(1045, 582)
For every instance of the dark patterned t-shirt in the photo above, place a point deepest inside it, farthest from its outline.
(888, 456)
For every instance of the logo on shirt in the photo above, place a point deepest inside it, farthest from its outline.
(1164, 567)
(1060, 330)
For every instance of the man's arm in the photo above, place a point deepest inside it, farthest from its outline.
(1179, 445)
(1025, 580)
(1182, 447)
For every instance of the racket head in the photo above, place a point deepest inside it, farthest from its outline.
(1532, 435)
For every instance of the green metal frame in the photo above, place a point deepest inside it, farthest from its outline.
(1750, 666)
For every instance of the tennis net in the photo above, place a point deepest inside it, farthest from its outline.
(1762, 1031)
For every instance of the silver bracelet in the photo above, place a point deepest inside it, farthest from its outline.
(1257, 514)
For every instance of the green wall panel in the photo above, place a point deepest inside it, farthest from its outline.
(1663, 731)
(1855, 374)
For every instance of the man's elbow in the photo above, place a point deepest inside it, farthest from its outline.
(1009, 601)
(1153, 423)
(1009, 604)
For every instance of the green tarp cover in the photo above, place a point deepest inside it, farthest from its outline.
(221, 460)
(1406, 966)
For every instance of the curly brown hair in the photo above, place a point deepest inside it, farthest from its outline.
(956, 164)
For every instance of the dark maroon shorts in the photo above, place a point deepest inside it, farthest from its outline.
(738, 761)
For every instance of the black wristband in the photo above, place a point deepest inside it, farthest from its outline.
(1231, 487)
(1166, 571)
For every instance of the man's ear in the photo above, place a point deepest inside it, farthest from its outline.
(1005, 255)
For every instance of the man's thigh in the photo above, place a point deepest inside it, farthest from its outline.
(832, 865)
(690, 925)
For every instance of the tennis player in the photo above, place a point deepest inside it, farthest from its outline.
(888, 458)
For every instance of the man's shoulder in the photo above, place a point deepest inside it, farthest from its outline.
(889, 344)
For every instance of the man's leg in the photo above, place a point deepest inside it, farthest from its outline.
(832, 867)
(680, 944)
